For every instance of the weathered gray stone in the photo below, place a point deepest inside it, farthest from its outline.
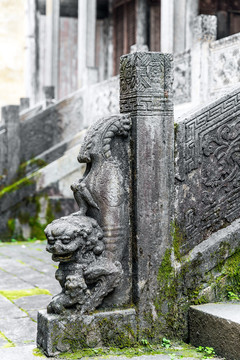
(3, 155)
(224, 64)
(85, 274)
(217, 326)
(20, 353)
(19, 332)
(97, 265)
(103, 192)
(221, 245)
(205, 28)
(49, 92)
(24, 104)
(34, 302)
(125, 202)
(59, 333)
(9, 282)
(182, 78)
(146, 92)
(8, 310)
(10, 116)
(207, 170)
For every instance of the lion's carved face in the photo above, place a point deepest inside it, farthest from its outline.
(72, 234)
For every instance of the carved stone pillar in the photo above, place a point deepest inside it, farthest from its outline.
(146, 93)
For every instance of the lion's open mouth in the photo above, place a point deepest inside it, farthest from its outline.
(63, 257)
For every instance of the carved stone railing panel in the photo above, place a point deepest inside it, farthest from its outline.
(182, 78)
(103, 99)
(224, 66)
(208, 169)
(3, 154)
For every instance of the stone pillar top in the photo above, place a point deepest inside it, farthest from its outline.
(24, 103)
(145, 82)
(205, 28)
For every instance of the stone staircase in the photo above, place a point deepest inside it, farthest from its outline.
(41, 193)
(216, 325)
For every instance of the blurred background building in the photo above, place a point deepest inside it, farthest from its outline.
(59, 70)
(69, 43)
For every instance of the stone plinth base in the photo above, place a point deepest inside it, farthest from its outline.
(217, 326)
(61, 333)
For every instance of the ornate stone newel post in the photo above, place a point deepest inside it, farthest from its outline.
(146, 93)
(110, 250)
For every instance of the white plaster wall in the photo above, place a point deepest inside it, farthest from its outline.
(12, 50)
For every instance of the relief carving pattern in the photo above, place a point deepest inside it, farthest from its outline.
(208, 170)
(143, 82)
(182, 78)
(104, 99)
(225, 63)
(90, 243)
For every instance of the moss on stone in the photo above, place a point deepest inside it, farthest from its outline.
(37, 163)
(228, 275)
(49, 213)
(178, 239)
(58, 206)
(11, 225)
(111, 335)
(175, 130)
(37, 352)
(11, 231)
(16, 186)
(178, 349)
(10, 343)
(16, 294)
(37, 229)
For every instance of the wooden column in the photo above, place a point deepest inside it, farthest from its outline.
(167, 25)
(52, 44)
(141, 26)
(87, 72)
(31, 58)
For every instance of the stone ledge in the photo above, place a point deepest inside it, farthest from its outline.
(218, 326)
(62, 333)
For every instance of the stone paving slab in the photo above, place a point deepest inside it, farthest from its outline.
(35, 302)
(3, 343)
(17, 325)
(20, 353)
(8, 310)
(9, 281)
(27, 353)
(20, 331)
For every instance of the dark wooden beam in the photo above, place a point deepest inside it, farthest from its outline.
(69, 8)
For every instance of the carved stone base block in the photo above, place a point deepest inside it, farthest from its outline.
(62, 333)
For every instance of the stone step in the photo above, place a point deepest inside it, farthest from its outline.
(216, 325)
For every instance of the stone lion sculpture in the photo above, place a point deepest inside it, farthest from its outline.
(85, 275)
